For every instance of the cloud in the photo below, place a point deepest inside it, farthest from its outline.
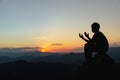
(57, 44)
(21, 49)
(30, 48)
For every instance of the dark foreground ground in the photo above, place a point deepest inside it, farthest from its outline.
(22, 70)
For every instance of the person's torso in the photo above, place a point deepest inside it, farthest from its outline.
(100, 40)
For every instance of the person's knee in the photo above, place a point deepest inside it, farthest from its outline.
(86, 46)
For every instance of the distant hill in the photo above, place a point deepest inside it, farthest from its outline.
(114, 52)
(71, 58)
(67, 58)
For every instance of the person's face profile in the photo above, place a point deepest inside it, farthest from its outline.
(92, 29)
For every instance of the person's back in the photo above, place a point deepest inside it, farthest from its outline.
(100, 42)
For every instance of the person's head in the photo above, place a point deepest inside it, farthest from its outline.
(95, 27)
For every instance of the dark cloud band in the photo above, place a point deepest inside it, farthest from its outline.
(59, 44)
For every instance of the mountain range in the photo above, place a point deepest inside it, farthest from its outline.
(67, 58)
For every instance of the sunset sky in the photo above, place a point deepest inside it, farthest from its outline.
(54, 25)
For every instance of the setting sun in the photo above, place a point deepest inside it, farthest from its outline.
(44, 49)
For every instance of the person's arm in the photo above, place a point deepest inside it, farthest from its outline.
(87, 35)
(81, 36)
(94, 38)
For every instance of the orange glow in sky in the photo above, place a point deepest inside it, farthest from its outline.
(54, 25)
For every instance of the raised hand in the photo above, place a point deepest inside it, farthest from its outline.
(86, 34)
(81, 35)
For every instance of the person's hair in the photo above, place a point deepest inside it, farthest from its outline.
(95, 25)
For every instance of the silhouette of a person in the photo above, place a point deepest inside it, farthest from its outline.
(98, 43)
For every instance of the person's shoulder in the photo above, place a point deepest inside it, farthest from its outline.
(100, 33)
